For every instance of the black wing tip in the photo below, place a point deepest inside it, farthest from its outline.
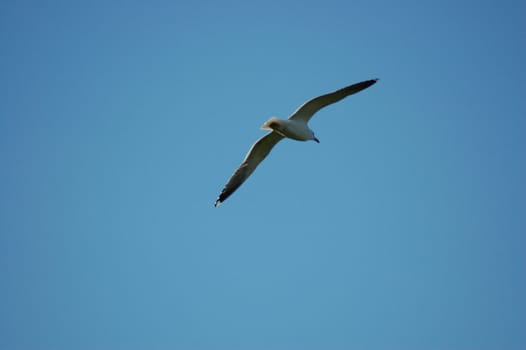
(364, 84)
(221, 198)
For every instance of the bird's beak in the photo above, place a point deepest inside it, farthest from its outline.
(315, 139)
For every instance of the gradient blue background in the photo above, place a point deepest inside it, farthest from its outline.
(120, 122)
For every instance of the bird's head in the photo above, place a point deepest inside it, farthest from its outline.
(271, 124)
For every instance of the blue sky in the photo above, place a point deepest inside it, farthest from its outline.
(120, 123)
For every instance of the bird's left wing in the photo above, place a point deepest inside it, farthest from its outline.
(307, 110)
(259, 150)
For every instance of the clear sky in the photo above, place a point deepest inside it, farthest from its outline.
(121, 121)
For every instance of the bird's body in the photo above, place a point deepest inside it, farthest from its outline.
(292, 129)
(295, 127)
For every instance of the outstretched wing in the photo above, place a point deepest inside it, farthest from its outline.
(259, 150)
(307, 110)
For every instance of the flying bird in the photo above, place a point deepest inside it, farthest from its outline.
(295, 127)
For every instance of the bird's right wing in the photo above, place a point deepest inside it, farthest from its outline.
(307, 110)
(259, 150)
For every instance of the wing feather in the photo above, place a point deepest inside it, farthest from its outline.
(307, 110)
(259, 150)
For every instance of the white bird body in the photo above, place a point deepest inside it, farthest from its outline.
(292, 128)
(295, 127)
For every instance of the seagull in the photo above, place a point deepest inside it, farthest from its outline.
(295, 127)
